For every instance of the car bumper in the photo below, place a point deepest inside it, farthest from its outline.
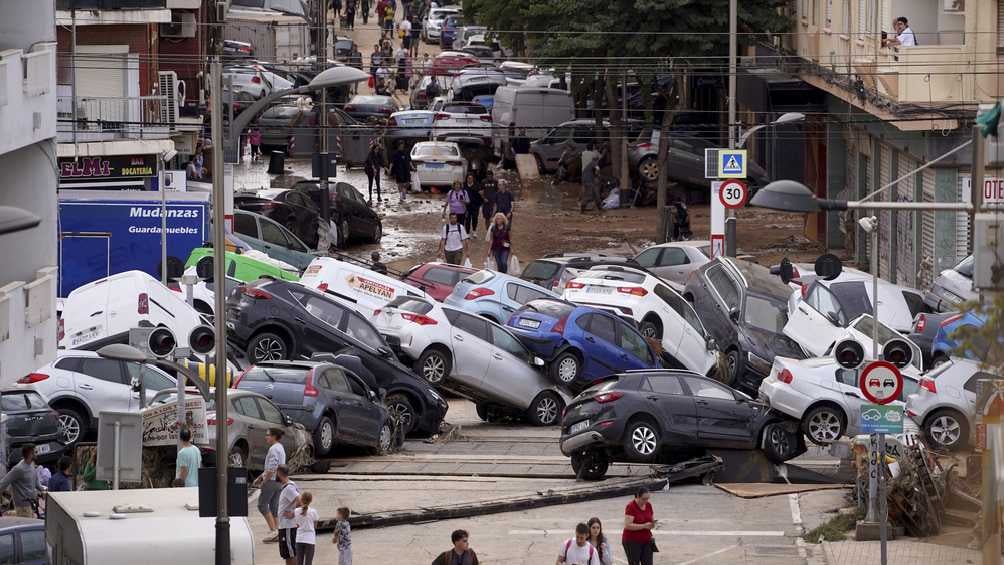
(431, 419)
(581, 441)
(444, 176)
(783, 398)
(45, 451)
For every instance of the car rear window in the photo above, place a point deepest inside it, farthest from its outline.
(540, 270)
(409, 304)
(636, 278)
(436, 151)
(601, 387)
(276, 374)
(443, 276)
(480, 277)
(465, 109)
(552, 308)
(21, 400)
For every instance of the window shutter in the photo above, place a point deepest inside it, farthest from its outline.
(1000, 23)
(862, 17)
(885, 12)
(828, 19)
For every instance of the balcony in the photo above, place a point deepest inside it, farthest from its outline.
(112, 12)
(937, 74)
(27, 96)
(109, 118)
(110, 4)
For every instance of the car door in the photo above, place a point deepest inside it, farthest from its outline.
(107, 386)
(346, 405)
(692, 345)
(246, 226)
(674, 264)
(635, 351)
(319, 323)
(676, 408)
(602, 355)
(470, 341)
(724, 295)
(845, 383)
(723, 420)
(349, 209)
(247, 411)
(273, 418)
(511, 378)
(550, 147)
(371, 415)
(816, 321)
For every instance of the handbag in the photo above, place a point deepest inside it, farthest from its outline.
(655, 548)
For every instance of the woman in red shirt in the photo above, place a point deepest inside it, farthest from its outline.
(638, 524)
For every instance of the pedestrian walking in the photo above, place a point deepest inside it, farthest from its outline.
(474, 202)
(23, 482)
(639, 545)
(416, 33)
(488, 188)
(401, 75)
(44, 475)
(343, 536)
(453, 241)
(388, 21)
(456, 202)
(382, 79)
(255, 139)
(289, 498)
(375, 160)
(590, 188)
(505, 202)
(268, 498)
(461, 553)
(578, 550)
(376, 58)
(350, 14)
(499, 243)
(404, 30)
(305, 522)
(364, 7)
(400, 169)
(189, 460)
(60, 482)
(375, 265)
(598, 540)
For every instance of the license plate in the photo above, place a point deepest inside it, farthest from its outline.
(600, 289)
(531, 324)
(84, 337)
(43, 449)
(435, 165)
(576, 428)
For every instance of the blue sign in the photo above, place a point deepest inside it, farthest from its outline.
(732, 163)
(881, 419)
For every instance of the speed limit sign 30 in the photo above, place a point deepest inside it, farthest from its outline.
(733, 194)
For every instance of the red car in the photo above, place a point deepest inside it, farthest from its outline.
(437, 279)
(450, 63)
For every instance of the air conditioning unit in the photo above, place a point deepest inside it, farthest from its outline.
(174, 90)
(182, 25)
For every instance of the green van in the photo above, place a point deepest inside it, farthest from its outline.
(242, 267)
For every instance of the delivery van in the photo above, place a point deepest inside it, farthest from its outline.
(536, 110)
(362, 289)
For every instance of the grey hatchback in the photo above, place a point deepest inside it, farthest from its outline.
(332, 402)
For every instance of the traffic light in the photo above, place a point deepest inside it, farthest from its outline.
(849, 353)
(202, 340)
(162, 342)
(898, 352)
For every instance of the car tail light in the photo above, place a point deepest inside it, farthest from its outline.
(910, 413)
(951, 320)
(921, 323)
(634, 290)
(212, 421)
(574, 285)
(254, 292)
(440, 116)
(929, 385)
(241, 376)
(143, 303)
(794, 273)
(608, 397)
(485, 118)
(323, 287)
(476, 293)
(391, 122)
(643, 145)
(256, 80)
(60, 330)
(308, 387)
(785, 376)
(32, 378)
(418, 319)
(559, 328)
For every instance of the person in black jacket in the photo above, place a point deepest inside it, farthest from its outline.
(475, 202)
(400, 169)
(375, 160)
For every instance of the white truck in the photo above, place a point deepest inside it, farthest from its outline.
(535, 110)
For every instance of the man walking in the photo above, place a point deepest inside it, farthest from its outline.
(376, 59)
(504, 200)
(578, 550)
(375, 161)
(489, 188)
(289, 499)
(400, 169)
(23, 483)
(189, 460)
(590, 189)
(453, 242)
(268, 500)
(460, 554)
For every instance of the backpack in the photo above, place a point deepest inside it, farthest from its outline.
(592, 550)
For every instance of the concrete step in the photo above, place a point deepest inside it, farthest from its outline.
(962, 518)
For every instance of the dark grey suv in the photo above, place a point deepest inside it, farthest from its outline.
(331, 401)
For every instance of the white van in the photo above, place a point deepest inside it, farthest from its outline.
(535, 109)
(104, 311)
(362, 289)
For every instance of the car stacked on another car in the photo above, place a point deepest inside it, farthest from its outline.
(944, 403)
(674, 261)
(30, 420)
(473, 357)
(948, 342)
(293, 213)
(494, 295)
(658, 416)
(436, 278)
(354, 216)
(553, 271)
(371, 107)
(952, 287)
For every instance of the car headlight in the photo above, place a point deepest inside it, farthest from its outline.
(435, 396)
(758, 364)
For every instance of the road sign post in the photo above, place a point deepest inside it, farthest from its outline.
(733, 194)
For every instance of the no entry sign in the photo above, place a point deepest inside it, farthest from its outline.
(881, 382)
(733, 194)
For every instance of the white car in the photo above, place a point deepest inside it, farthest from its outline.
(472, 356)
(356, 286)
(467, 122)
(433, 24)
(819, 338)
(516, 72)
(952, 287)
(944, 405)
(660, 312)
(822, 395)
(674, 261)
(103, 312)
(437, 163)
(80, 385)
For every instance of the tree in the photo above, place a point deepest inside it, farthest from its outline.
(986, 342)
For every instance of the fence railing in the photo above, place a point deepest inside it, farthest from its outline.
(140, 116)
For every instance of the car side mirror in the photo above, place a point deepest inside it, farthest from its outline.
(537, 361)
(372, 395)
(734, 313)
(204, 269)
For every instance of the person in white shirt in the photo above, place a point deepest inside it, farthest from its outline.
(289, 498)
(578, 550)
(904, 35)
(305, 519)
(268, 499)
(453, 241)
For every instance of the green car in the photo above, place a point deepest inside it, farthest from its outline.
(242, 267)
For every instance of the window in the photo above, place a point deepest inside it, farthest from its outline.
(25, 400)
(847, 377)
(703, 388)
(335, 380)
(503, 340)
(153, 379)
(673, 256)
(357, 386)
(269, 412)
(632, 342)
(246, 406)
(231, 267)
(360, 329)
(914, 302)
(845, 13)
(410, 304)
(477, 327)
(245, 224)
(7, 549)
(828, 17)
(523, 294)
(102, 369)
(680, 306)
(559, 134)
(910, 386)
(603, 327)
(853, 298)
(323, 310)
(973, 384)
(442, 276)
(722, 283)
(32, 545)
(649, 257)
(272, 234)
(814, 9)
(583, 134)
(540, 270)
(69, 364)
(824, 302)
(665, 384)
(766, 314)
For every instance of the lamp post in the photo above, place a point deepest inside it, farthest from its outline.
(793, 196)
(786, 118)
(16, 219)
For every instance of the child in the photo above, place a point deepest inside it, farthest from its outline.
(343, 536)
(305, 519)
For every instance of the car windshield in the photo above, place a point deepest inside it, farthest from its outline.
(853, 297)
(551, 308)
(465, 108)
(274, 374)
(540, 270)
(21, 400)
(436, 151)
(765, 314)
(409, 304)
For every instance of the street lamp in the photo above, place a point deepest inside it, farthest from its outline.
(793, 196)
(786, 118)
(130, 354)
(16, 219)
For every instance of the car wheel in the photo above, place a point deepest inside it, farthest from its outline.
(650, 328)
(540, 164)
(267, 346)
(946, 429)
(590, 465)
(824, 424)
(324, 437)
(733, 364)
(566, 368)
(434, 365)
(648, 169)
(320, 467)
(237, 457)
(545, 409)
(377, 233)
(385, 439)
(483, 412)
(399, 406)
(641, 440)
(72, 425)
(779, 443)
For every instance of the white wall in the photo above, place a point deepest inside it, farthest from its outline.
(923, 17)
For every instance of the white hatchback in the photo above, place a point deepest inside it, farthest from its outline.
(437, 163)
(660, 312)
(944, 405)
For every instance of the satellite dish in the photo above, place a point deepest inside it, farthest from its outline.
(828, 266)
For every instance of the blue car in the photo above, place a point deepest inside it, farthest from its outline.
(581, 343)
(946, 344)
(494, 295)
(486, 100)
(449, 30)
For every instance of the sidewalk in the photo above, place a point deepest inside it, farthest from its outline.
(900, 552)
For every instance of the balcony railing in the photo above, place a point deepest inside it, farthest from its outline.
(110, 4)
(100, 118)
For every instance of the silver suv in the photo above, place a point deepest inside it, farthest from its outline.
(79, 385)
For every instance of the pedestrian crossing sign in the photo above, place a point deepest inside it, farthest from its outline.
(731, 163)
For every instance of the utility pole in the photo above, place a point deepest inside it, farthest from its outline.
(73, 72)
(730, 217)
(322, 60)
(625, 177)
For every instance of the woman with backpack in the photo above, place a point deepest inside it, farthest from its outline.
(457, 200)
(598, 540)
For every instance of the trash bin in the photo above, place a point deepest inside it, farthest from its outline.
(277, 163)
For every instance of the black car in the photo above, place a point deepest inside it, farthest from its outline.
(349, 209)
(371, 107)
(745, 308)
(553, 271)
(273, 320)
(300, 218)
(924, 330)
(660, 415)
(30, 420)
(22, 541)
(334, 403)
